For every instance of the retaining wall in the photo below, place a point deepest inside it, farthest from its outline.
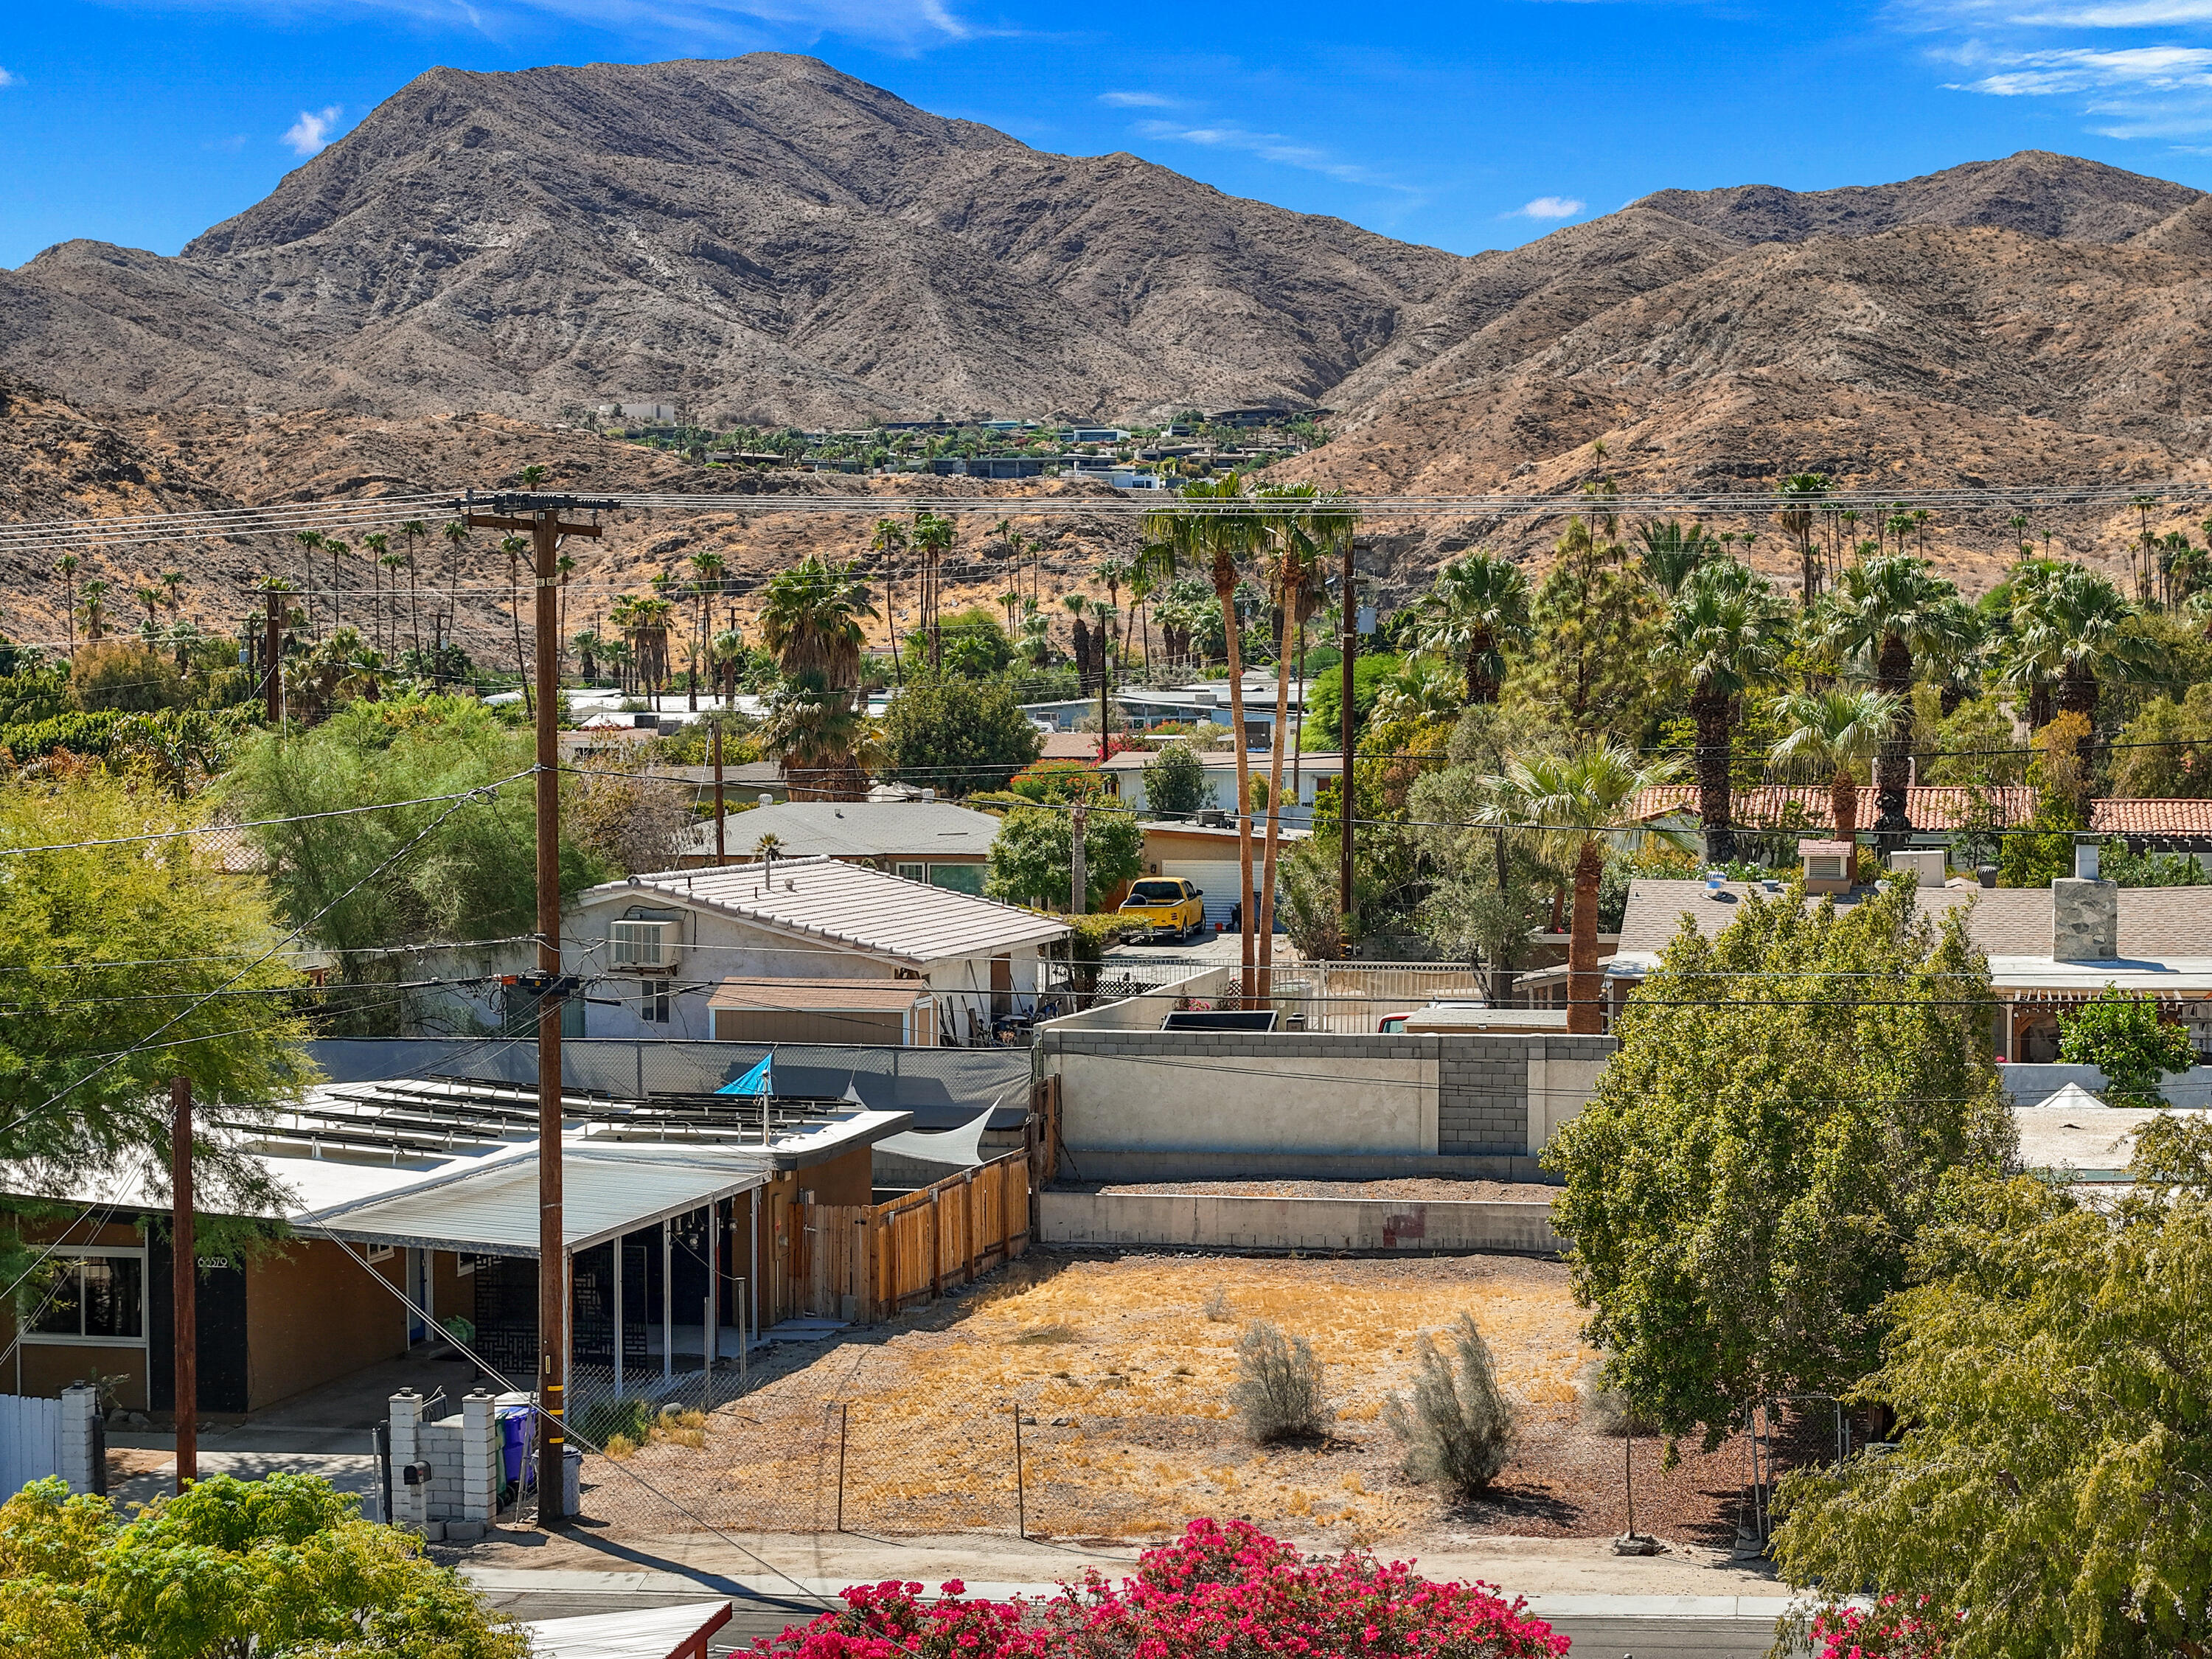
(1210, 1222)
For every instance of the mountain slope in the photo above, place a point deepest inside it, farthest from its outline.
(764, 237)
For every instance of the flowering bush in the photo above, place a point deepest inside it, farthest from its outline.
(1889, 1630)
(1219, 1592)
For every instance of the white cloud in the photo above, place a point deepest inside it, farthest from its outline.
(1547, 207)
(8, 80)
(2156, 85)
(1269, 146)
(1136, 101)
(2036, 73)
(720, 26)
(311, 132)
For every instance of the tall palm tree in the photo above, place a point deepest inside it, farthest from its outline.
(1799, 492)
(933, 537)
(2070, 628)
(379, 544)
(813, 620)
(337, 551)
(456, 533)
(515, 547)
(1725, 632)
(172, 600)
(1211, 524)
(150, 596)
(414, 531)
(1836, 731)
(2139, 556)
(1672, 551)
(1570, 808)
(66, 567)
(1474, 612)
(1884, 612)
(824, 745)
(310, 541)
(564, 570)
(94, 590)
(706, 581)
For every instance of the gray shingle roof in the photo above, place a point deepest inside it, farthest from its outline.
(851, 904)
(856, 829)
(2159, 922)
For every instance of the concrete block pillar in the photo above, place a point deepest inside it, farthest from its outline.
(480, 1465)
(411, 1504)
(77, 1447)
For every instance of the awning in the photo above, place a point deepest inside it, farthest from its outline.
(676, 1632)
(605, 1192)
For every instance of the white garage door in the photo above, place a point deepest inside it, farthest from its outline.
(1216, 880)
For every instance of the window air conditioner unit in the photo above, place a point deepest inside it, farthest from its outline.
(644, 946)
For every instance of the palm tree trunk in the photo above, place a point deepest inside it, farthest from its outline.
(1585, 984)
(514, 615)
(1227, 596)
(1710, 711)
(1275, 806)
(1844, 807)
(414, 610)
(1893, 770)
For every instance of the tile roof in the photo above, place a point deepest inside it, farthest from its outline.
(2142, 815)
(2155, 923)
(1804, 806)
(850, 904)
(855, 829)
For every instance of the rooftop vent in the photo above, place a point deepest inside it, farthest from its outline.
(1827, 865)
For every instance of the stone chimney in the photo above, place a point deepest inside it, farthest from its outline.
(2085, 912)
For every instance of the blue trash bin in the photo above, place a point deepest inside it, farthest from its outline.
(513, 1442)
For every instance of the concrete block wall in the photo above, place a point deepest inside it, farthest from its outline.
(463, 1452)
(1169, 1105)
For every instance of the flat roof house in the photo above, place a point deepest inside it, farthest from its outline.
(927, 841)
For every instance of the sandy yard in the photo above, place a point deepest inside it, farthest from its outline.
(1121, 1369)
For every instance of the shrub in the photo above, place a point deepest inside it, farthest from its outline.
(2124, 1035)
(1221, 1589)
(1458, 1427)
(603, 1420)
(1277, 1391)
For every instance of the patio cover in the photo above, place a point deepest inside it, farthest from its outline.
(640, 1633)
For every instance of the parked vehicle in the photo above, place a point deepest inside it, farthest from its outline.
(1166, 906)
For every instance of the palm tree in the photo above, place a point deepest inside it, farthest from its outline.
(1570, 808)
(172, 599)
(2070, 630)
(1143, 584)
(379, 546)
(706, 579)
(1798, 492)
(2143, 505)
(725, 658)
(1838, 731)
(337, 551)
(310, 541)
(150, 596)
(1884, 611)
(564, 568)
(66, 567)
(456, 533)
(515, 547)
(932, 536)
(824, 746)
(1113, 573)
(1424, 688)
(94, 589)
(1672, 551)
(813, 620)
(1477, 609)
(1211, 525)
(1725, 632)
(414, 531)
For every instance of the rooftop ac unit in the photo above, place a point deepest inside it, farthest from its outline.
(644, 946)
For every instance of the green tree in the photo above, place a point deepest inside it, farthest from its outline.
(2050, 1497)
(1770, 1137)
(1837, 732)
(1672, 552)
(123, 968)
(1571, 808)
(1371, 676)
(281, 1568)
(1725, 633)
(2166, 750)
(1881, 614)
(2123, 1037)
(129, 676)
(1592, 659)
(1174, 782)
(957, 736)
(2071, 630)
(1476, 612)
(812, 621)
(1032, 860)
(470, 878)
(973, 645)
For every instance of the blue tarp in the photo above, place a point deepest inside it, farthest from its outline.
(761, 1080)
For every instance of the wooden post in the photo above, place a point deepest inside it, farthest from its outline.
(936, 1246)
(967, 1226)
(546, 529)
(184, 1266)
(272, 660)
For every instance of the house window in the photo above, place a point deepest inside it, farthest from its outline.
(655, 1009)
(378, 1252)
(97, 1298)
(957, 878)
(912, 871)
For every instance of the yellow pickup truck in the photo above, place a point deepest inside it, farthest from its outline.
(1168, 906)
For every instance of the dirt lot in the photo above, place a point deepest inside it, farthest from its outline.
(1121, 1367)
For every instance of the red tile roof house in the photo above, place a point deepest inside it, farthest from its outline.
(2145, 822)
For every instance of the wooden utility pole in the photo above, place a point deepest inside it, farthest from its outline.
(722, 817)
(1346, 730)
(545, 527)
(272, 658)
(184, 1264)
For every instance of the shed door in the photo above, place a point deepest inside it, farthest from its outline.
(1002, 987)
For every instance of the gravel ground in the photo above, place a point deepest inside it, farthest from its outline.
(1427, 1189)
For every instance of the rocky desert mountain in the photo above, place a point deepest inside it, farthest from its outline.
(768, 239)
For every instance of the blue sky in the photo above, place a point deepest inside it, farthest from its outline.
(1468, 125)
